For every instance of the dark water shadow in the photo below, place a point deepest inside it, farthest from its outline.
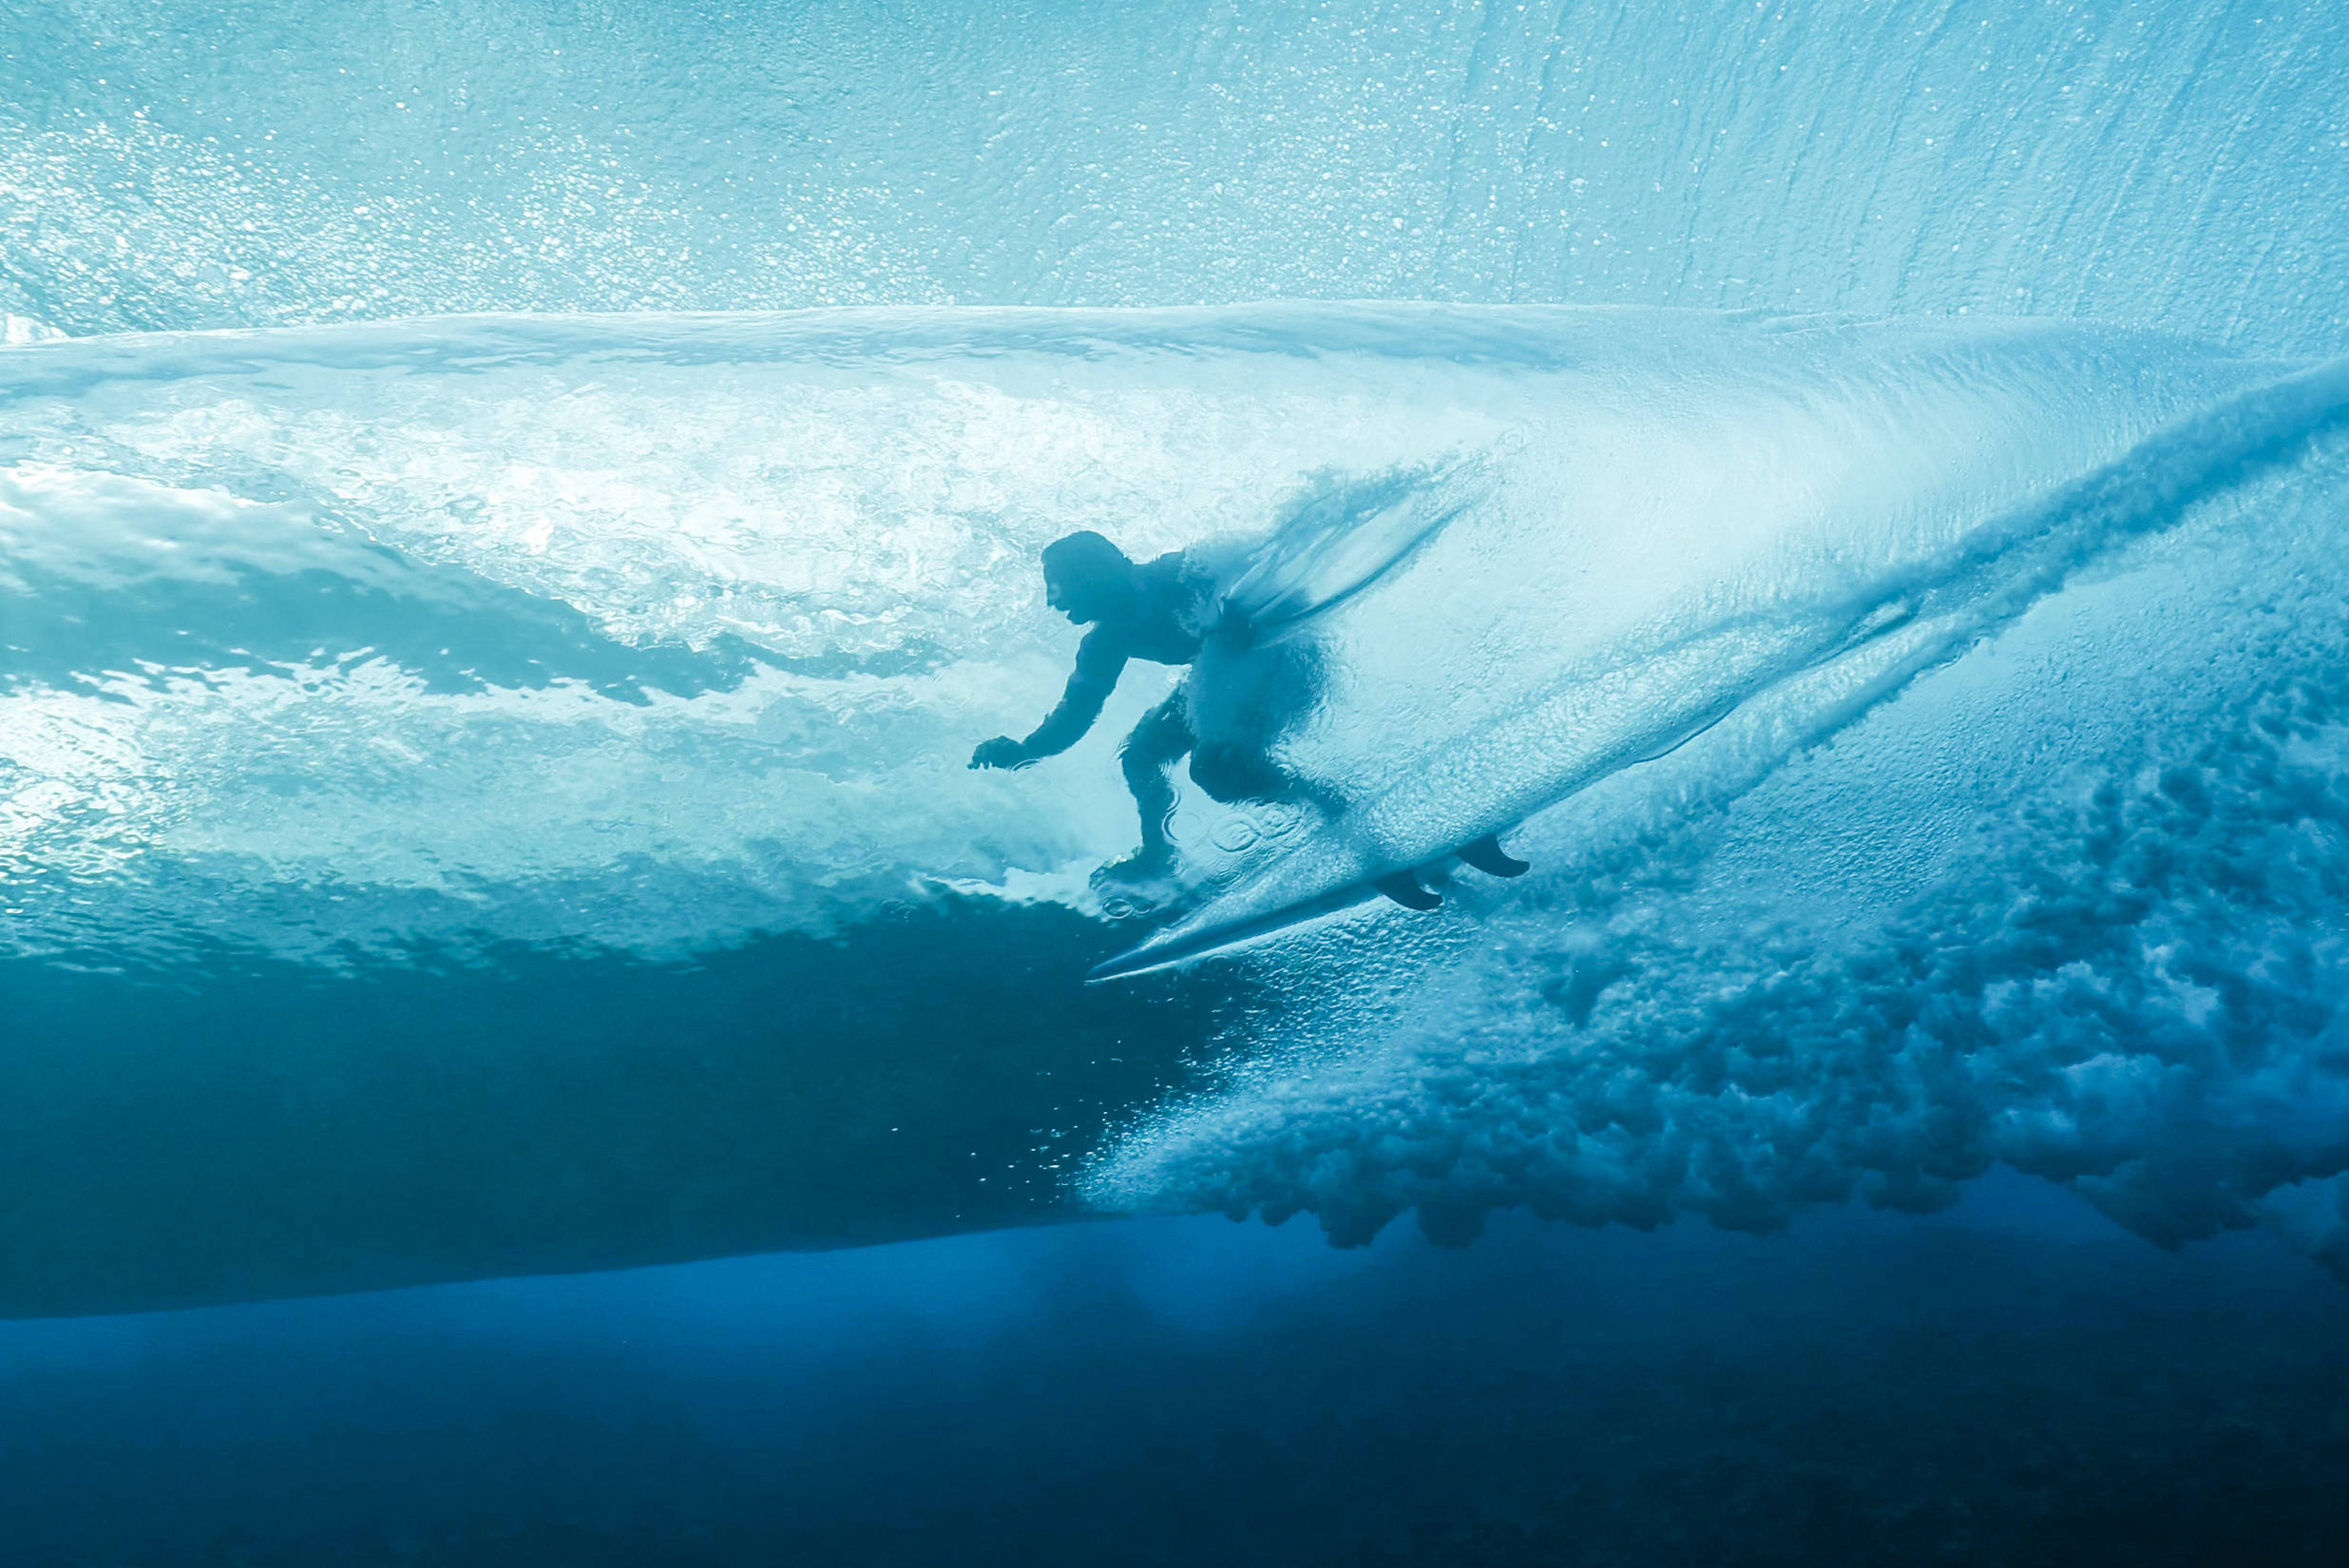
(252, 1129)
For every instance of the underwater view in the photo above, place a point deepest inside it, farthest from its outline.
(1275, 782)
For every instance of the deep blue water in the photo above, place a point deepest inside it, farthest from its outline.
(2015, 1380)
(521, 1040)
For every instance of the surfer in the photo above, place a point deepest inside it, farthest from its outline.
(1162, 612)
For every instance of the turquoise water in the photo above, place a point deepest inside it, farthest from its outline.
(513, 517)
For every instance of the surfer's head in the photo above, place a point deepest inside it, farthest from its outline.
(1086, 577)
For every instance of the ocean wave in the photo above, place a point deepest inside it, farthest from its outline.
(2069, 902)
(1927, 735)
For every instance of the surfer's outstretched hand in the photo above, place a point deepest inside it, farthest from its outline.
(1002, 752)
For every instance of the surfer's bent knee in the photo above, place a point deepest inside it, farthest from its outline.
(1230, 775)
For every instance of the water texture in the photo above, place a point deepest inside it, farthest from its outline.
(1926, 731)
(248, 163)
(513, 516)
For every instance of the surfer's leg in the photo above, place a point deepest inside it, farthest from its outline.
(1404, 889)
(1156, 745)
(1234, 776)
(1237, 760)
(1487, 855)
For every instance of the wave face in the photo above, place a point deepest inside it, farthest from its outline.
(480, 782)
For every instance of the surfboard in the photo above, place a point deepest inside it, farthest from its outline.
(1183, 943)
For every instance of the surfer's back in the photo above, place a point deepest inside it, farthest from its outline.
(1172, 602)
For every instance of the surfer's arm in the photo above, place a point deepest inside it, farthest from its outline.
(1099, 662)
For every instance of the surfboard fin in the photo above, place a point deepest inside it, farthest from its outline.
(1487, 855)
(1404, 889)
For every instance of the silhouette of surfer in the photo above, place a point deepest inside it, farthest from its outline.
(1163, 612)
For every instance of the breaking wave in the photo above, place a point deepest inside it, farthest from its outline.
(1925, 722)
(1927, 735)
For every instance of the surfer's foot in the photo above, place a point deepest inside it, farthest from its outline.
(1486, 856)
(1404, 889)
(1147, 864)
(1140, 885)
